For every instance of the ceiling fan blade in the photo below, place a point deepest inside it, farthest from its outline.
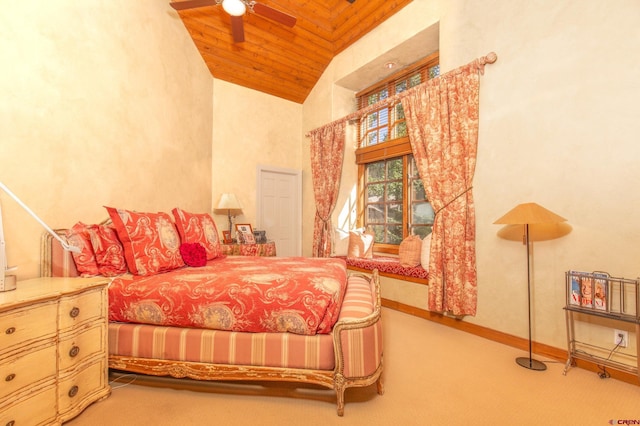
(192, 4)
(274, 15)
(237, 29)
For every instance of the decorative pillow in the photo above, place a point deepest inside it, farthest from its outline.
(150, 241)
(360, 244)
(108, 250)
(193, 254)
(409, 251)
(340, 242)
(85, 261)
(198, 228)
(425, 254)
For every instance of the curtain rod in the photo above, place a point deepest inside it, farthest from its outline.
(479, 63)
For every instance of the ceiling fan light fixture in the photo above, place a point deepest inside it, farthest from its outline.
(234, 7)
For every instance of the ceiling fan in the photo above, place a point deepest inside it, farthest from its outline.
(236, 9)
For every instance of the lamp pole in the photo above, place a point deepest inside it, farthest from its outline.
(529, 363)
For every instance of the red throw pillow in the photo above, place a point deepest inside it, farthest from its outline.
(150, 241)
(193, 254)
(85, 261)
(198, 228)
(108, 250)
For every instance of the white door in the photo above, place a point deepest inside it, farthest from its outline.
(279, 208)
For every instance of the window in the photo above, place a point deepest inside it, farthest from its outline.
(393, 203)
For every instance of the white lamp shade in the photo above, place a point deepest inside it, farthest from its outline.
(234, 7)
(228, 202)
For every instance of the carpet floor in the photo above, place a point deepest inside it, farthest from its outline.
(434, 375)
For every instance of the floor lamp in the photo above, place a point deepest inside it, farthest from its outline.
(529, 214)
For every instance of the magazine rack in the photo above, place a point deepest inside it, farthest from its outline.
(598, 294)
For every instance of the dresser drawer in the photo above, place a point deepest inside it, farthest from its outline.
(22, 326)
(76, 348)
(19, 372)
(37, 409)
(80, 308)
(74, 390)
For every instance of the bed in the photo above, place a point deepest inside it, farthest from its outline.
(332, 338)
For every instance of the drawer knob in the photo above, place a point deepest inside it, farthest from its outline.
(74, 312)
(73, 391)
(74, 351)
(10, 377)
(10, 330)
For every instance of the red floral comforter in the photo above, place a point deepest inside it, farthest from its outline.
(254, 294)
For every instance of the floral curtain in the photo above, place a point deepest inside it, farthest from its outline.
(442, 122)
(327, 154)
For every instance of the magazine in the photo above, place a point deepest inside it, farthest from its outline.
(601, 290)
(574, 296)
(586, 290)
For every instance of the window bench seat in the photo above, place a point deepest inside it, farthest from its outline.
(389, 267)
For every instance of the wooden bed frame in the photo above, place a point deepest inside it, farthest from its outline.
(56, 262)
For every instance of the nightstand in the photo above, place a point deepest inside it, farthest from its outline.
(53, 349)
(267, 249)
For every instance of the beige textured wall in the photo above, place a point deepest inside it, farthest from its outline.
(250, 129)
(558, 126)
(101, 103)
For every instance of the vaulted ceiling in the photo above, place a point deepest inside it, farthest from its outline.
(277, 59)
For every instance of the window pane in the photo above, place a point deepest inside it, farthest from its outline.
(399, 112)
(383, 117)
(434, 71)
(394, 168)
(394, 213)
(372, 138)
(394, 234)
(375, 192)
(413, 168)
(400, 129)
(422, 213)
(375, 214)
(378, 231)
(394, 191)
(417, 190)
(383, 134)
(415, 80)
(375, 171)
(421, 230)
(401, 86)
(372, 121)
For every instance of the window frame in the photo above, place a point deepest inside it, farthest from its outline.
(390, 149)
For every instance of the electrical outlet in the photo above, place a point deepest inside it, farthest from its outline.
(621, 338)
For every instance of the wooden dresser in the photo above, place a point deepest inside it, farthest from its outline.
(53, 349)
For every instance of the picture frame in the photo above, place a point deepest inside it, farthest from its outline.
(226, 237)
(245, 233)
(244, 228)
(248, 238)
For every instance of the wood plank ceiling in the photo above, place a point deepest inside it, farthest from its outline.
(276, 59)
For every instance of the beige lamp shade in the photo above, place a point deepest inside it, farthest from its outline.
(228, 202)
(528, 214)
